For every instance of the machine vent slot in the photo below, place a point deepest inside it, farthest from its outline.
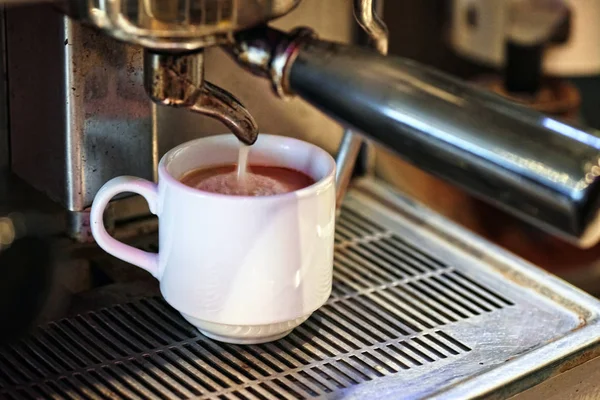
(391, 312)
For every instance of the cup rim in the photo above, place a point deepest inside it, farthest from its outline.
(329, 178)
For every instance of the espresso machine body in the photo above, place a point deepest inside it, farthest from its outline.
(102, 122)
(420, 307)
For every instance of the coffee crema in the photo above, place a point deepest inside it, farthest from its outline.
(259, 180)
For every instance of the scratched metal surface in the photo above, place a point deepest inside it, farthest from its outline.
(419, 309)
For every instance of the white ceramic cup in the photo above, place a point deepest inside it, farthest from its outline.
(240, 269)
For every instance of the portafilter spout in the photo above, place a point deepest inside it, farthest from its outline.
(537, 167)
(177, 80)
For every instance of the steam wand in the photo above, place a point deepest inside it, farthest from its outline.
(375, 28)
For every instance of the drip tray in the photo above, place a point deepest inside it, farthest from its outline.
(420, 308)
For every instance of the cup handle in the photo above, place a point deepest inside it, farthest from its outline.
(147, 189)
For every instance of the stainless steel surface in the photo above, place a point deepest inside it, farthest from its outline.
(348, 152)
(178, 81)
(79, 115)
(178, 25)
(420, 308)
(534, 166)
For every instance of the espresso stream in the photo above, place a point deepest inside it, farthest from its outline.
(242, 179)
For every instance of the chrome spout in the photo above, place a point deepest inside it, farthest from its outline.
(177, 80)
(371, 22)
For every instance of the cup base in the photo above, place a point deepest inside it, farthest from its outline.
(244, 340)
(245, 334)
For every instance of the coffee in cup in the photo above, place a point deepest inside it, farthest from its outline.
(258, 180)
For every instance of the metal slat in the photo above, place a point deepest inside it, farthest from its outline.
(395, 322)
(167, 325)
(113, 334)
(145, 326)
(345, 325)
(346, 233)
(352, 215)
(163, 378)
(440, 299)
(42, 363)
(329, 335)
(369, 253)
(78, 340)
(327, 385)
(113, 384)
(171, 318)
(223, 357)
(358, 278)
(406, 311)
(15, 369)
(128, 330)
(356, 263)
(95, 338)
(164, 363)
(258, 392)
(76, 355)
(40, 390)
(452, 297)
(398, 259)
(486, 296)
(124, 376)
(313, 352)
(57, 351)
(93, 384)
(349, 278)
(250, 360)
(293, 387)
(397, 247)
(356, 231)
(325, 349)
(465, 295)
(305, 385)
(435, 310)
(397, 362)
(217, 375)
(360, 254)
(351, 375)
(63, 390)
(146, 380)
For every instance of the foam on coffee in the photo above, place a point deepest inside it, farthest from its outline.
(259, 180)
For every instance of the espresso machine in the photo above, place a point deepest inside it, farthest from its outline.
(420, 308)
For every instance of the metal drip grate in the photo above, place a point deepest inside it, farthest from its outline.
(145, 350)
(403, 309)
